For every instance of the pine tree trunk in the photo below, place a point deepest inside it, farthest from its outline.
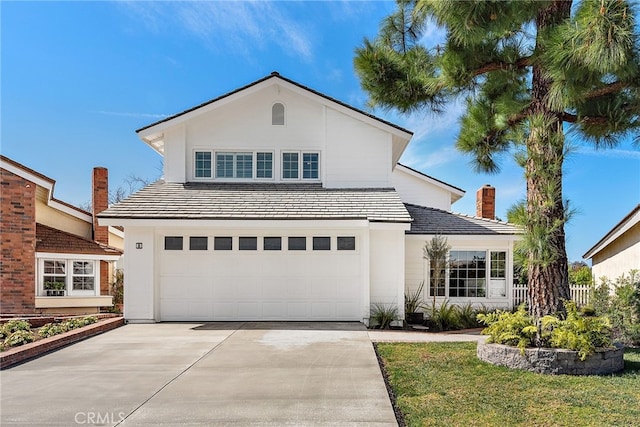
(548, 268)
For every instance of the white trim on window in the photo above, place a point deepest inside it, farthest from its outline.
(301, 165)
(68, 275)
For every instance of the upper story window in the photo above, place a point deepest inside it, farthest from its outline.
(203, 165)
(290, 165)
(234, 165)
(277, 114)
(293, 162)
(264, 165)
(309, 165)
(258, 165)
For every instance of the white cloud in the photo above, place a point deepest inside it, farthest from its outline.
(235, 26)
(128, 114)
(610, 152)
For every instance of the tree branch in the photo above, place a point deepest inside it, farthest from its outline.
(610, 88)
(594, 120)
(496, 66)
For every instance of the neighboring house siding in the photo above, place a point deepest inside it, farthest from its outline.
(619, 257)
(418, 192)
(47, 215)
(18, 230)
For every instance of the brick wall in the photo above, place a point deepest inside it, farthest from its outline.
(18, 231)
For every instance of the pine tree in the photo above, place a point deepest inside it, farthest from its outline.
(530, 71)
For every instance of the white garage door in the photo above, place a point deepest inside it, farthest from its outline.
(258, 284)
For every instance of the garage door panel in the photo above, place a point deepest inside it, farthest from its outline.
(260, 285)
(323, 288)
(323, 310)
(274, 288)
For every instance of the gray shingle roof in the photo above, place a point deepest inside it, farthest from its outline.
(436, 221)
(162, 200)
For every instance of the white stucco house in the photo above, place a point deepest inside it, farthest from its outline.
(618, 251)
(281, 203)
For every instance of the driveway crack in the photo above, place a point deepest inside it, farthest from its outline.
(122, 420)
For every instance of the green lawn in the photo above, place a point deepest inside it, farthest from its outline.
(445, 384)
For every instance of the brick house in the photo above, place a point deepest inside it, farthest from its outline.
(55, 258)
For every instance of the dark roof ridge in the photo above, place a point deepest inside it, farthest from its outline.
(275, 74)
(495, 221)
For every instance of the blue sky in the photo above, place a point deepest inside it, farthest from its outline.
(77, 79)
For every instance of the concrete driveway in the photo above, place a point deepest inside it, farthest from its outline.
(196, 374)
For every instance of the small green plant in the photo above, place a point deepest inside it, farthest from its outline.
(382, 315)
(51, 329)
(18, 338)
(443, 317)
(55, 286)
(467, 316)
(12, 326)
(413, 300)
(514, 329)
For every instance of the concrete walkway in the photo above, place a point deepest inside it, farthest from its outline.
(202, 375)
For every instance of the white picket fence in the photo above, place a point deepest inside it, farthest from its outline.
(579, 294)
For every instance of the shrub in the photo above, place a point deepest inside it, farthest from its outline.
(584, 334)
(622, 307)
(413, 300)
(12, 326)
(382, 315)
(19, 337)
(514, 329)
(51, 329)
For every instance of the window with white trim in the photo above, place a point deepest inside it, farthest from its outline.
(290, 165)
(264, 165)
(293, 162)
(203, 166)
(469, 274)
(68, 277)
(310, 165)
(83, 276)
(234, 165)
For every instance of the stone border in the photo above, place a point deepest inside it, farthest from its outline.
(17, 355)
(552, 360)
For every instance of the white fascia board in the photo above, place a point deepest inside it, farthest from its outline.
(55, 255)
(66, 209)
(402, 226)
(116, 232)
(613, 234)
(39, 181)
(454, 191)
(470, 237)
(226, 223)
(47, 184)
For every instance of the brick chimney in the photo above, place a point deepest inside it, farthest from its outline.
(486, 202)
(100, 202)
